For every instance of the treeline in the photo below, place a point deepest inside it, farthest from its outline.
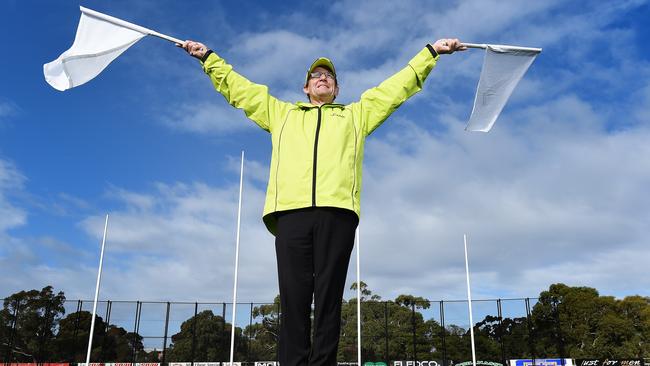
(572, 322)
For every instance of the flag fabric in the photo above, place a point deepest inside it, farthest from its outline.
(99, 40)
(503, 67)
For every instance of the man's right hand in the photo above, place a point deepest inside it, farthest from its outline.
(195, 49)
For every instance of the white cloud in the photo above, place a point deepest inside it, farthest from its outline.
(11, 180)
(549, 189)
(208, 117)
(180, 245)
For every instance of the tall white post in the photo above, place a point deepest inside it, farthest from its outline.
(358, 295)
(234, 290)
(469, 304)
(99, 279)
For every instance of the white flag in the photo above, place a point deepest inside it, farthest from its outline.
(100, 39)
(503, 67)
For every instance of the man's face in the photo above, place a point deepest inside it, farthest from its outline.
(323, 88)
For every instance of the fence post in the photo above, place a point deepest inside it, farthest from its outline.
(385, 329)
(500, 334)
(223, 329)
(415, 357)
(109, 308)
(196, 309)
(250, 328)
(76, 331)
(531, 347)
(162, 362)
(442, 327)
(136, 329)
(13, 332)
(41, 346)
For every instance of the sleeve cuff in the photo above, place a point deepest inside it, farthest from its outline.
(205, 57)
(430, 47)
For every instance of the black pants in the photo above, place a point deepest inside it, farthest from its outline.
(313, 247)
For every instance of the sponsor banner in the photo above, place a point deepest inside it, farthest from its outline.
(180, 364)
(480, 363)
(609, 362)
(147, 364)
(222, 364)
(375, 363)
(267, 363)
(35, 364)
(417, 363)
(542, 362)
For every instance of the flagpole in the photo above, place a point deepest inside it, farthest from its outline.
(125, 24)
(358, 296)
(517, 48)
(234, 290)
(469, 303)
(474, 45)
(99, 279)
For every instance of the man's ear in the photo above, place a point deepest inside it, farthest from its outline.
(305, 89)
(336, 91)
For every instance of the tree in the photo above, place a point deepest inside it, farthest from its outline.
(263, 337)
(577, 322)
(206, 337)
(110, 343)
(72, 338)
(396, 323)
(34, 315)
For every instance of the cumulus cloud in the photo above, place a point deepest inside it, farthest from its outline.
(554, 192)
(178, 242)
(11, 180)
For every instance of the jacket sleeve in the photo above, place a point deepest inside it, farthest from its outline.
(254, 99)
(378, 103)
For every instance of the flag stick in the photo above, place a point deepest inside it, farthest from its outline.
(484, 46)
(126, 24)
(234, 290)
(99, 279)
(469, 303)
(358, 297)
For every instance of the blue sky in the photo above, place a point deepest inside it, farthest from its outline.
(556, 192)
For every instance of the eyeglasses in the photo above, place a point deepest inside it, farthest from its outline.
(318, 74)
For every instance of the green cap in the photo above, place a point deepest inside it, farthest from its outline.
(322, 61)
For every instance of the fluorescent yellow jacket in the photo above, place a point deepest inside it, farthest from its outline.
(317, 151)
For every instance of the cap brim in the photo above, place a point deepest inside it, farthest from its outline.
(322, 62)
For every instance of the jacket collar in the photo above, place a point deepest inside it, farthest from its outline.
(306, 105)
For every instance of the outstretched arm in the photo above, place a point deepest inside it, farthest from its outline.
(254, 99)
(378, 103)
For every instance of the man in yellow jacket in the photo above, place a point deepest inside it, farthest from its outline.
(312, 199)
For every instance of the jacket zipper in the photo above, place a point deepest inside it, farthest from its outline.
(313, 183)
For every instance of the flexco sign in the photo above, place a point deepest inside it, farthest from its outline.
(417, 363)
(609, 362)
